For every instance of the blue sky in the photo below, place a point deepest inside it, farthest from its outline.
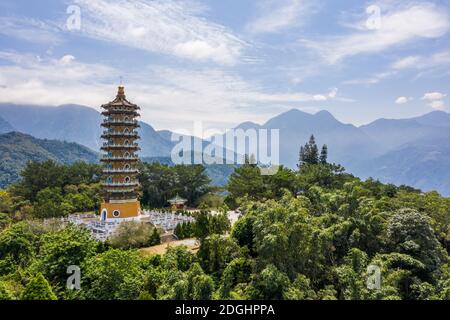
(225, 62)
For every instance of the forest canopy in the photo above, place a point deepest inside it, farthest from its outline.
(310, 233)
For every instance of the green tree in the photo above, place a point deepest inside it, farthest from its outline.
(324, 154)
(177, 258)
(243, 232)
(192, 181)
(114, 274)
(38, 289)
(5, 293)
(155, 238)
(216, 252)
(270, 284)
(410, 232)
(309, 153)
(179, 231)
(17, 243)
(60, 249)
(48, 203)
(203, 287)
(246, 181)
(276, 184)
(238, 271)
(202, 225)
(161, 182)
(6, 202)
(300, 289)
(219, 224)
(133, 234)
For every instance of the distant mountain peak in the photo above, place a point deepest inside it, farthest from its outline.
(325, 115)
(248, 125)
(437, 118)
(295, 111)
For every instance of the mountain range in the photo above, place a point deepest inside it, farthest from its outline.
(16, 149)
(412, 151)
(74, 123)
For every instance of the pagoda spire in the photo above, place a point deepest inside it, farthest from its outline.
(121, 91)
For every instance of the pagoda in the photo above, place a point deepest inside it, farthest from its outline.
(120, 184)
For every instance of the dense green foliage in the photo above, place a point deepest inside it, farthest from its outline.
(48, 189)
(204, 225)
(162, 182)
(38, 289)
(305, 234)
(133, 234)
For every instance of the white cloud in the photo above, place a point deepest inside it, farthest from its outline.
(207, 94)
(169, 27)
(398, 27)
(30, 79)
(333, 93)
(432, 96)
(371, 80)
(402, 100)
(67, 59)
(438, 105)
(275, 16)
(440, 59)
(406, 62)
(435, 100)
(30, 30)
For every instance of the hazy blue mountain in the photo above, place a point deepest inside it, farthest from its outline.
(412, 151)
(165, 134)
(435, 118)
(71, 123)
(75, 123)
(16, 149)
(248, 125)
(393, 133)
(403, 151)
(152, 143)
(347, 143)
(423, 164)
(418, 152)
(5, 126)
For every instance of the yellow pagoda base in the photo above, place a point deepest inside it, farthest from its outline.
(125, 209)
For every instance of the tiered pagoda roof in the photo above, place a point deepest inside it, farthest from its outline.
(120, 159)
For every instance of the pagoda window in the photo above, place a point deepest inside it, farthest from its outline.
(127, 179)
(127, 142)
(127, 154)
(126, 119)
(109, 179)
(126, 130)
(127, 167)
